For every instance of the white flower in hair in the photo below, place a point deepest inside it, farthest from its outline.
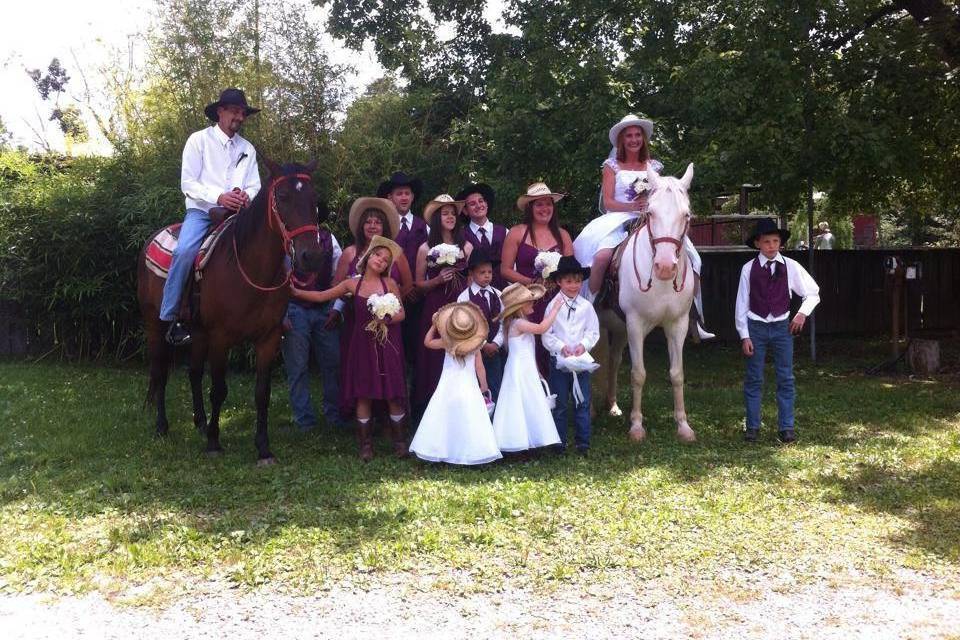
(383, 305)
(546, 263)
(444, 254)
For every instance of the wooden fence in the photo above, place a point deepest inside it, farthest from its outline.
(856, 294)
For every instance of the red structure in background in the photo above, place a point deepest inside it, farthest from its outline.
(727, 232)
(866, 231)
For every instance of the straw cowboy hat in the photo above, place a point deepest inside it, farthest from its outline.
(375, 243)
(536, 191)
(228, 97)
(380, 204)
(462, 327)
(439, 201)
(517, 295)
(400, 179)
(631, 121)
(764, 227)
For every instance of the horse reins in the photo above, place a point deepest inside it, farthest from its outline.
(678, 243)
(286, 236)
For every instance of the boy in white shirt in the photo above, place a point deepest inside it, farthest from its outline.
(575, 332)
(481, 267)
(762, 320)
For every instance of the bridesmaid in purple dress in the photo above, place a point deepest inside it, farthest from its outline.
(539, 231)
(440, 285)
(377, 366)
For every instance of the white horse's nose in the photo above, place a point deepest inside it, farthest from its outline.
(665, 269)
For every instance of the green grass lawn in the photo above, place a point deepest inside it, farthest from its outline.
(89, 499)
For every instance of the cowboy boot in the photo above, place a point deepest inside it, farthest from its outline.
(365, 440)
(398, 433)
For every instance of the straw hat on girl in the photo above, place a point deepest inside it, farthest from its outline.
(375, 243)
(536, 191)
(360, 205)
(462, 327)
(518, 295)
(439, 201)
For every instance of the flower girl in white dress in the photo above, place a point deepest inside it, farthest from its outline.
(523, 419)
(455, 427)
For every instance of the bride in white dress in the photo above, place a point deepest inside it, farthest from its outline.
(455, 427)
(623, 198)
(523, 419)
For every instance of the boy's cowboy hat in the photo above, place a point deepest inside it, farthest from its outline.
(462, 327)
(375, 243)
(380, 204)
(536, 191)
(400, 179)
(631, 121)
(480, 256)
(764, 227)
(439, 201)
(567, 265)
(517, 295)
(228, 97)
(484, 190)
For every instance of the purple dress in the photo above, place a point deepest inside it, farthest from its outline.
(376, 370)
(429, 362)
(526, 256)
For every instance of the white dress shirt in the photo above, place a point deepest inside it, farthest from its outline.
(799, 281)
(474, 289)
(475, 228)
(213, 164)
(576, 323)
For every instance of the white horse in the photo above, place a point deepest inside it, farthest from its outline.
(657, 289)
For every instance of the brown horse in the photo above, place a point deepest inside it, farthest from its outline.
(242, 297)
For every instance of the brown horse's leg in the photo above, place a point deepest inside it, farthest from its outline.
(218, 393)
(159, 354)
(266, 352)
(198, 357)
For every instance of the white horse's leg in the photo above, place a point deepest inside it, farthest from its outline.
(638, 332)
(618, 342)
(675, 336)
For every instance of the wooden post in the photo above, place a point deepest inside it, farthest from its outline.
(895, 317)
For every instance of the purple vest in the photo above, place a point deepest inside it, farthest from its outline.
(491, 311)
(324, 273)
(411, 239)
(494, 250)
(769, 295)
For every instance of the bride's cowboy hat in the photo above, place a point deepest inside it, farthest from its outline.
(380, 204)
(439, 201)
(766, 226)
(228, 97)
(536, 191)
(462, 327)
(631, 121)
(517, 295)
(377, 242)
(400, 179)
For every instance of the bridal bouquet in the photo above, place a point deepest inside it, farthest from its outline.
(444, 255)
(381, 306)
(637, 188)
(546, 263)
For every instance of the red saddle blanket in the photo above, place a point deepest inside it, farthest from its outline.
(159, 254)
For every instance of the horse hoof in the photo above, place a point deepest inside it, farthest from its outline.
(686, 434)
(638, 434)
(266, 462)
(615, 411)
(214, 453)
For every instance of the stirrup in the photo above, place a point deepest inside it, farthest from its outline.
(178, 335)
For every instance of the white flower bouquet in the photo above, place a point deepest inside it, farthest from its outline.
(546, 263)
(638, 187)
(381, 307)
(444, 255)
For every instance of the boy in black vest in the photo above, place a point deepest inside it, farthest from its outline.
(762, 320)
(482, 267)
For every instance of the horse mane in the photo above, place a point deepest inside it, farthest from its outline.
(251, 220)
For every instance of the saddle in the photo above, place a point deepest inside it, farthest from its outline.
(609, 295)
(159, 255)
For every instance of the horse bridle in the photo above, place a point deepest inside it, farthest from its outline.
(654, 241)
(286, 236)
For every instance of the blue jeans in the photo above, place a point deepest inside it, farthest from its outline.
(561, 383)
(494, 368)
(774, 337)
(305, 337)
(195, 226)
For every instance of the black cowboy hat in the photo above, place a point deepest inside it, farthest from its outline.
(400, 179)
(767, 226)
(228, 97)
(480, 256)
(484, 190)
(568, 265)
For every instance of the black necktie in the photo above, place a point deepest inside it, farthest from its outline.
(570, 309)
(403, 226)
(484, 242)
(769, 267)
(485, 302)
